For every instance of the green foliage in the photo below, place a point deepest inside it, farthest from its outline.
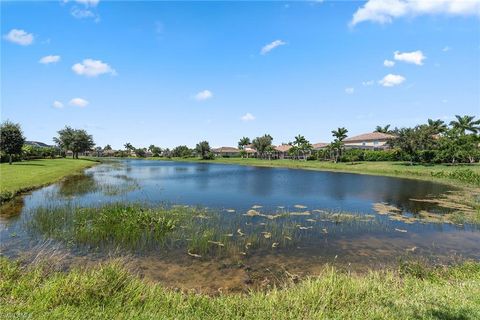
(75, 140)
(263, 145)
(11, 139)
(34, 152)
(156, 151)
(182, 152)
(466, 123)
(243, 142)
(464, 175)
(140, 153)
(203, 149)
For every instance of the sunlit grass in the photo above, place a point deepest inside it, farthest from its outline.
(110, 291)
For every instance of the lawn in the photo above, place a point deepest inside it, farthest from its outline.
(110, 291)
(27, 175)
(462, 175)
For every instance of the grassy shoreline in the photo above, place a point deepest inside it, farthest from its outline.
(438, 173)
(25, 176)
(111, 291)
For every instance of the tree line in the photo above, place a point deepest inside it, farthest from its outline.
(431, 142)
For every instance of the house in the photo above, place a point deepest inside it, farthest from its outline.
(372, 141)
(281, 151)
(226, 152)
(320, 145)
(250, 151)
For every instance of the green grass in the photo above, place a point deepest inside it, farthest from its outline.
(459, 175)
(110, 291)
(27, 175)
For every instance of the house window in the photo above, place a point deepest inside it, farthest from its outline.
(375, 143)
(364, 143)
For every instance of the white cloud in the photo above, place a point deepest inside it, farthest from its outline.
(88, 3)
(204, 95)
(391, 80)
(82, 13)
(384, 11)
(248, 117)
(92, 68)
(49, 59)
(415, 57)
(388, 63)
(368, 83)
(349, 90)
(446, 48)
(57, 104)
(19, 36)
(78, 102)
(272, 45)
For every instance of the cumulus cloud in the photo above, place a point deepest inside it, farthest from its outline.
(272, 45)
(391, 80)
(92, 68)
(204, 95)
(248, 117)
(388, 63)
(384, 11)
(415, 57)
(49, 59)
(57, 104)
(19, 36)
(78, 102)
(349, 90)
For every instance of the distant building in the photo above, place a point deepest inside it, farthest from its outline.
(372, 141)
(320, 145)
(37, 144)
(281, 151)
(226, 152)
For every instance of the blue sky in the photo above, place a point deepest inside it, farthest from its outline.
(170, 73)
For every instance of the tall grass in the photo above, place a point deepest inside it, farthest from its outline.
(110, 291)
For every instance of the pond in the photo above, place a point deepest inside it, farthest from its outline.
(352, 221)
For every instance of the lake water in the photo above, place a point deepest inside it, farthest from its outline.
(373, 239)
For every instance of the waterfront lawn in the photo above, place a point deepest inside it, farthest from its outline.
(110, 291)
(27, 175)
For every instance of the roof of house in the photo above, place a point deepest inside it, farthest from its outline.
(369, 137)
(283, 147)
(37, 144)
(319, 145)
(225, 150)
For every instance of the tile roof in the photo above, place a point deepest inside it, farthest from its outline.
(225, 149)
(369, 137)
(319, 145)
(283, 148)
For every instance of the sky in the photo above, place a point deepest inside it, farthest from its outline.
(172, 73)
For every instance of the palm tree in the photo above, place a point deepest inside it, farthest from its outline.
(337, 146)
(437, 126)
(381, 129)
(466, 123)
(242, 143)
(128, 146)
(302, 145)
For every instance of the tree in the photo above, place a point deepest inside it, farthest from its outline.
(140, 152)
(455, 147)
(107, 147)
(203, 149)
(155, 150)
(128, 146)
(301, 145)
(262, 144)
(385, 129)
(337, 145)
(245, 141)
(437, 126)
(75, 140)
(12, 139)
(466, 123)
(415, 142)
(182, 152)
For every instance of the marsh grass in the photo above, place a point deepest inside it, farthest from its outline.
(198, 231)
(110, 291)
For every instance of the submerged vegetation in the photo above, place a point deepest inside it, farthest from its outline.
(197, 231)
(110, 290)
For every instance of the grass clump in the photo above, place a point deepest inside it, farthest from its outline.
(110, 291)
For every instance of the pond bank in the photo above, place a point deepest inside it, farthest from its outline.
(108, 290)
(28, 175)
